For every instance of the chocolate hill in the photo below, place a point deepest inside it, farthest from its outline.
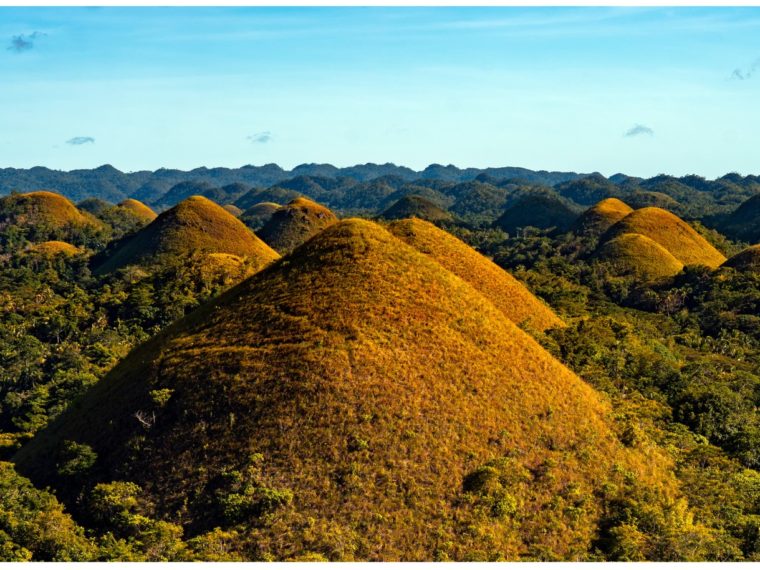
(294, 223)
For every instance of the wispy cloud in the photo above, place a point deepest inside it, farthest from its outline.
(639, 130)
(22, 43)
(76, 141)
(260, 138)
(746, 73)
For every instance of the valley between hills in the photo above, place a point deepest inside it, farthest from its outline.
(376, 364)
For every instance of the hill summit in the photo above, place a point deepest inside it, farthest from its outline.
(504, 291)
(746, 260)
(294, 223)
(356, 400)
(43, 209)
(601, 217)
(671, 232)
(195, 224)
(637, 255)
(139, 210)
(543, 210)
(417, 207)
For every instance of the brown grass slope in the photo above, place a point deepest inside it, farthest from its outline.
(195, 224)
(417, 207)
(53, 248)
(601, 217)
(294, 223)
(746, 260)
(259, 214)
(366, 381)
(504, 291)
(139, 210)
(671, 232)
(638, 255)
(43, 208)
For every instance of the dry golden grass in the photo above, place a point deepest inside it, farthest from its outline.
(195, 224)
(53, 248)
(504, 291)
(601, 217)
(672, 233)
(44, 208)
(294, 223)
(368, 381)
(635, 254)
(746, 260)
(139, 209)
(417, 207)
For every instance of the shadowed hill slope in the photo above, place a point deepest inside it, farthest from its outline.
(233, 209)
(538, 210)
(43, 208)
(601, 217)
(504, 291)
(259, 214)
(744, 222)
(746, 260)
(139, 210)
(294, 223)
(375, 406)
(671, 232)
(195, 224)
(418, 207)
(638, 255)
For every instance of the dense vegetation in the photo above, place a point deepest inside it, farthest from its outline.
(673, 348)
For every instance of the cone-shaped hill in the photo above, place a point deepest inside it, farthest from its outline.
(635, 254)
(504, 291)
(671, 232)
(294, 223)
(44, 209)
(746, 260)
(538, 210)
(417, 207)
(601, 217)
(359, 401)
(195, 224)
(139, 210)
(259, 214)
(53, 248)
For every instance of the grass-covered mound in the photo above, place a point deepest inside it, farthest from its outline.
(233, 209)
(259, 214)
(746, 260)
(139, 210)
(294, 223)
(504, 291)
(537, 210)
(53, 248)
(356, 400)
(417, 207)
(601, 217)
(195, 224)
(635, 254)
(672, 233)
(744, 222)
(646, 199)
(44, 209)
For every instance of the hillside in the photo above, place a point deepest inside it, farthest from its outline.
(418, 207)
(671, 232)
(43, 209)
(53, 248)
(638, 255)
(504, 291)
(195, 224)
(601, 217)
(538, 210)
(233, 209)
(294, 223)
(259, 214)
(139, 210)
(370, 405)
(746, 260)
(744, 222)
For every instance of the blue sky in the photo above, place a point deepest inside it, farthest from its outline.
(634, 90)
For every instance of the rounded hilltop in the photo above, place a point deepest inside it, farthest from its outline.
(375, 405)
(294, 223)
(139, 210)
(545, 211)
(414, 206)
(509, 295)
(233, 209)
(671, 232)
(53, 248)
(44, 209)
(601, 217)
(194, 225)
(746, 260)
(259, 214)
(637, 255)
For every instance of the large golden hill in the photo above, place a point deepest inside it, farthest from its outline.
(504, 291)
(601, 217)
(356, 400)
(746, 260)
(635, 254)
(43, 208)
(195, 224)
(139, 210)
(671, 232)
(294, 223)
